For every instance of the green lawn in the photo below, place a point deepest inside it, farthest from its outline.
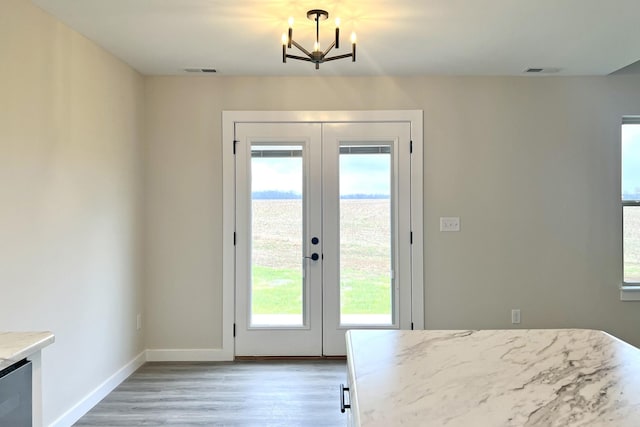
(276, 291)
(279, 291)
(632, 272)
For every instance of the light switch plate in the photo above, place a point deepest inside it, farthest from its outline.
(449, 223)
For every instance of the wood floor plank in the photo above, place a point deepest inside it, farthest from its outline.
(245, 393)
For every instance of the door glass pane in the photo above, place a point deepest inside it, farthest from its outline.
(366, 296)
(277, 284)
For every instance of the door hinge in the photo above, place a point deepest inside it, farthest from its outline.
(411, 237)
(410, 147)
(234, 238)
(234, 146)
(234, 329)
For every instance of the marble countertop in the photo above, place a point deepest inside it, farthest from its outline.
(15, 346)
(556, 377)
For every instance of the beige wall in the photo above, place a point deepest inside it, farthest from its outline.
(529, 164)
(70, 132)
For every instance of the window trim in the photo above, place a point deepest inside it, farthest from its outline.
(629, 292)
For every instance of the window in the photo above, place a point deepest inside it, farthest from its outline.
(630, 174)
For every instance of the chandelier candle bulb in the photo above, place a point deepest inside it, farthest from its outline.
(284, 48)
(353, 47)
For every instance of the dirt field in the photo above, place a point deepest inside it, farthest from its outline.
(364, 234)
(632, 244)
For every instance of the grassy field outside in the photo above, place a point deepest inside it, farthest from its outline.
(365, 285)
(631, 241)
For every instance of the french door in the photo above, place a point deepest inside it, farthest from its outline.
(323, 237)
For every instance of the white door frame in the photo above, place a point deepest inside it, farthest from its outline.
(230, 118)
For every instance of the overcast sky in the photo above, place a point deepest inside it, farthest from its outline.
(631, 159)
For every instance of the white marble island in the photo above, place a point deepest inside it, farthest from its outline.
(561, 377)
(15, 346)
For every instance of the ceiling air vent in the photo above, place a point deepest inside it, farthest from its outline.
(201, 70)
(547, 70)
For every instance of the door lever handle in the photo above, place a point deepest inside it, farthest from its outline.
(343, 405)
(314, 257)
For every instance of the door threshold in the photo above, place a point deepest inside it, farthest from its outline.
(286, 358)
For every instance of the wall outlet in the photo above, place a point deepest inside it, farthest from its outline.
(515, 315)
(450, 223)
(139, 321)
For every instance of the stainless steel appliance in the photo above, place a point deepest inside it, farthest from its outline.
(15, 395)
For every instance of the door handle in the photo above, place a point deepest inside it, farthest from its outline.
(314, 257)
(344, 406)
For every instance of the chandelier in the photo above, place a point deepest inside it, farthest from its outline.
(317, 56)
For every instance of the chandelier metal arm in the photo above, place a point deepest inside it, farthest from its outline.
(301, 58)
(305, 51)
(329, 48)
(333, 58)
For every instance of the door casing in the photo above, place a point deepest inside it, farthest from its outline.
(230, 118)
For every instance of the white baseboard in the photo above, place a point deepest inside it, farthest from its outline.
(188, 355)
(99, 393)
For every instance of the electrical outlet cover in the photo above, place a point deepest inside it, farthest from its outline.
(450, 223)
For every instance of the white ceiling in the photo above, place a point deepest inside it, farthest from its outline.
(395, 37)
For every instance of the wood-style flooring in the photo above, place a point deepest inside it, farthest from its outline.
(245, 393)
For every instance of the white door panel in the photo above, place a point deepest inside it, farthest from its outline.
(367, 282)
(274, 236)
(348, 186)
